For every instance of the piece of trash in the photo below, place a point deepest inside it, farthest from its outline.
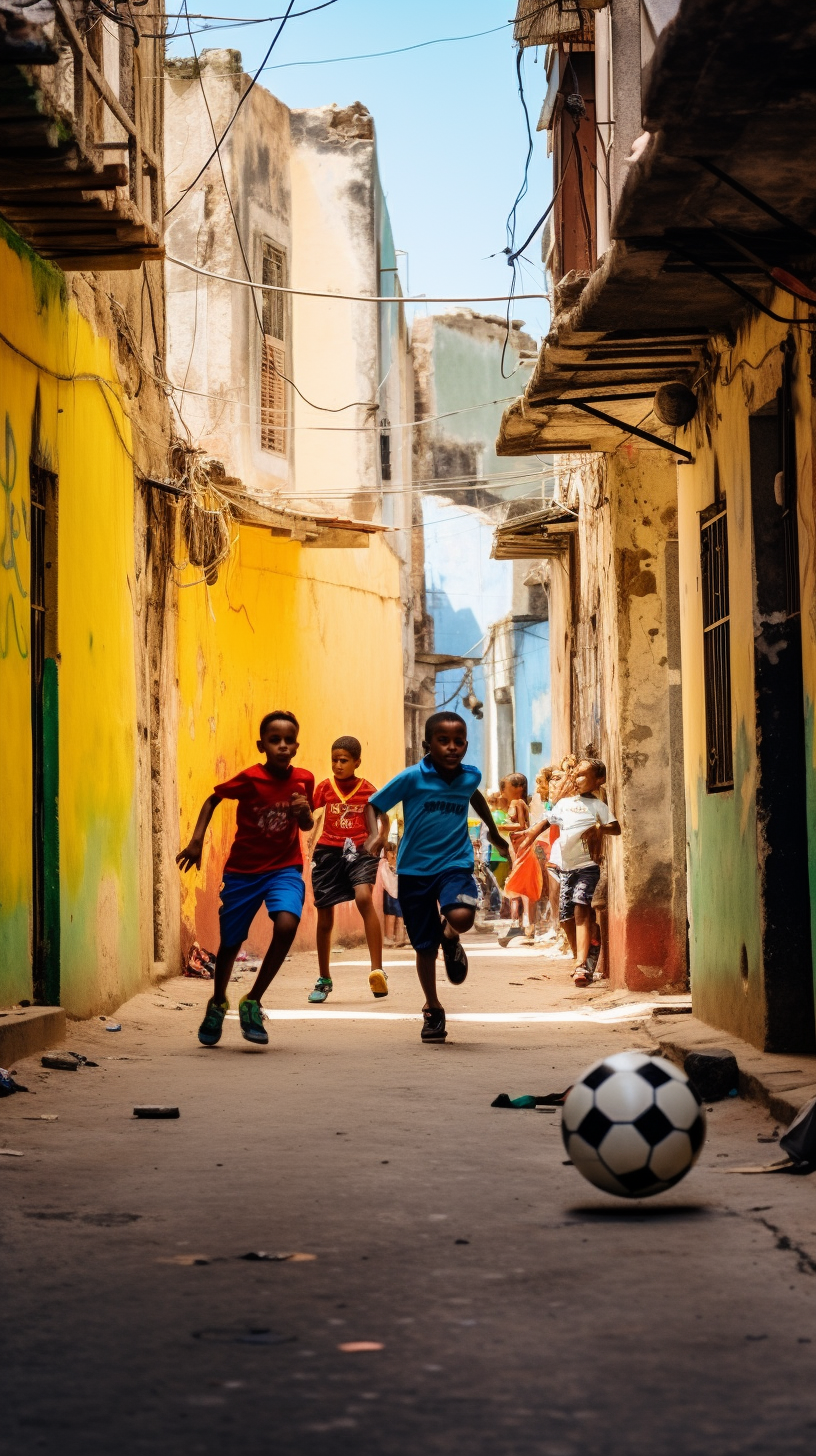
(113, 1026)
(57, 1062)
(786, 1165)
(200, 963)
(185, 1260)
(8, 1086)
(713, 1073)
(799, 1142)
(10, 1153)
(357, 1347)
(257, 1254)
(156, 1112)
(42, 1117)
(83, 1061)
(771, 1137)
(244, 1337)
(461, 1241)
(549, 1099)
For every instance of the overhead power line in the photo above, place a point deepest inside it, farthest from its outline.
(397, 51)
(351, 297)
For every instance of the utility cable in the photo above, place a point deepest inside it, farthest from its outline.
(224, 134)
(351, 297)
(397, 51)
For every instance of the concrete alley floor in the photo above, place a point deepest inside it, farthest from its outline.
(518, 1309)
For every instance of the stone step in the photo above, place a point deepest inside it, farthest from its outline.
(26, 1030)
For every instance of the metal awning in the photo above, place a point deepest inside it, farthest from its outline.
(538, 535)
(716, 214)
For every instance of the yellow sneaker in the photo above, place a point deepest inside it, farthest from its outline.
(378, 981)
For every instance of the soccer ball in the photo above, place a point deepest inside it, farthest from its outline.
(633, 1125)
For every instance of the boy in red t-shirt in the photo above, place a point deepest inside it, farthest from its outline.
(264, 866)
(341, 869)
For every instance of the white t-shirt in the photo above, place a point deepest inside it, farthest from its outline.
(574, 816)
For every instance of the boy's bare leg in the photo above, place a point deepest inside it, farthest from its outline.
(323, 940)
(399, 931)
(286, 926)
(390, 923)
(568, 927)
(458, 918)
(426, 970)
(584, 919)
(363, 895)
(224, 962)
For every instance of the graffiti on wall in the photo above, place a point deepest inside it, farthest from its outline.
(15, 521)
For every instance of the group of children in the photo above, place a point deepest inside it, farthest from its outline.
(568, 805)
(431, 889)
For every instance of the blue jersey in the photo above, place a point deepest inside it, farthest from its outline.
(435, 813)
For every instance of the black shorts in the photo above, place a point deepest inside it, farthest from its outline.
(577, 888)
(334, 878)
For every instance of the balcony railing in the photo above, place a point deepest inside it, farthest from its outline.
(80, 157)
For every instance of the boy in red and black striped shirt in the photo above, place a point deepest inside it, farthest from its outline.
(341, 868)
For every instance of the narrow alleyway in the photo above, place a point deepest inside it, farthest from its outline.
(510, 1307)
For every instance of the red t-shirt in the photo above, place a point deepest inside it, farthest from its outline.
(345, 817)
(267, 837)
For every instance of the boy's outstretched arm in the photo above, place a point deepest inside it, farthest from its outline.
(379, 827)
(190, 857)
(482, 808)
(529, 838)
(299, 809)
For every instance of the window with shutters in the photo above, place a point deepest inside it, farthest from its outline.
(273, 354)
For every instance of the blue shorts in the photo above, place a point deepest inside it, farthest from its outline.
(243, 895)
(423, 896)
(391, 906)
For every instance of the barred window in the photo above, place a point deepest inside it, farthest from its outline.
(716, 647)
(273, 353)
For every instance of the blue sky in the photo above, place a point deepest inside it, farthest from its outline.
(450, 127)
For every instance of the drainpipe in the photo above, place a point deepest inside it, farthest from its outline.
(603, 111)
(627, 112)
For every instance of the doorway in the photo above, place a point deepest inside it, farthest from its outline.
(44, 738)
(782, 844)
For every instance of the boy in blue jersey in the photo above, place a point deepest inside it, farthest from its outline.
(435, 860)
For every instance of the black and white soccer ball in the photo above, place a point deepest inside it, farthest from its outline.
(633, 1124)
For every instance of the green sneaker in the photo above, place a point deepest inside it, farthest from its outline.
(209, 1032)
(250, 1017)
(323, 986)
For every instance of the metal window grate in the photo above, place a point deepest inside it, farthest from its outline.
(717, 650)
(273, 353)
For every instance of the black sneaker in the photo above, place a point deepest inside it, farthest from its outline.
(433, 1028)
(456, 962)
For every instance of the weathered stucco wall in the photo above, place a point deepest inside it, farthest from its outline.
(623, 675)
(724, 850)
(64, 412)
(284, 627)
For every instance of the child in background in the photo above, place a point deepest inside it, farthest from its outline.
(341, 868)
(264, 866)
(514, 789)
(583, 820)
(392, 912)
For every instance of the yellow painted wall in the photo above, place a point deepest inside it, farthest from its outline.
(97, 699)
(724, 877)
(312, 630)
